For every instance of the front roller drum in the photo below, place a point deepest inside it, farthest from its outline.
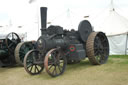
(97, 48)
(55, 62)
(21, 50)
(32, 62)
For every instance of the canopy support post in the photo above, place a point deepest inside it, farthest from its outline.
(126, 46)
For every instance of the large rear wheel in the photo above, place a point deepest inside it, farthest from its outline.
(97, 48)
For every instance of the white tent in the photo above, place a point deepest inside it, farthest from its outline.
(118, 44)
(113, 24)
(116, 28)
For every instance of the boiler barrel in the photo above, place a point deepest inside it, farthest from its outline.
(53, 43)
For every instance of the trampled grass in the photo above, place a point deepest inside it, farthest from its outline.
(114, 72)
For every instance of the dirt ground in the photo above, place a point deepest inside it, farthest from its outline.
(114, 72)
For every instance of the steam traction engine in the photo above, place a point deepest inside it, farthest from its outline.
(12, 50)
(56, 47)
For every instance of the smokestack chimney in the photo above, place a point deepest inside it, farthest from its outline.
(43, 12)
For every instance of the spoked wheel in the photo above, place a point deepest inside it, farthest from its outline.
(97, 48)
(21, 49)
(12, 39)
(55, 62)
(31, 62)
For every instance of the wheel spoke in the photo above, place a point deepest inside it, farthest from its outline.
(60, 57)
(105, 48)
(37, 68)
(50, 66)
(53, 70)
(96, 44)
(21, 52)
(31, 68)
(104, 40)
(96, 52)
(50, 62)
(10, 45)
(59, 67)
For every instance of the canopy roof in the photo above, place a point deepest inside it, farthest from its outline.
(112, 23)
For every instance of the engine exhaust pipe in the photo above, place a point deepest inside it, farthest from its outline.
(43, 13)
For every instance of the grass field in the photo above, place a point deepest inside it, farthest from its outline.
(114, 72)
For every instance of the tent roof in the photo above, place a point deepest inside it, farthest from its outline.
(112, 24)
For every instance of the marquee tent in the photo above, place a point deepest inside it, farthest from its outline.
(116, 28)
(118, 44)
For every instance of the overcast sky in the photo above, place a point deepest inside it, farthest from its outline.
(20, 9)
(21, 12)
